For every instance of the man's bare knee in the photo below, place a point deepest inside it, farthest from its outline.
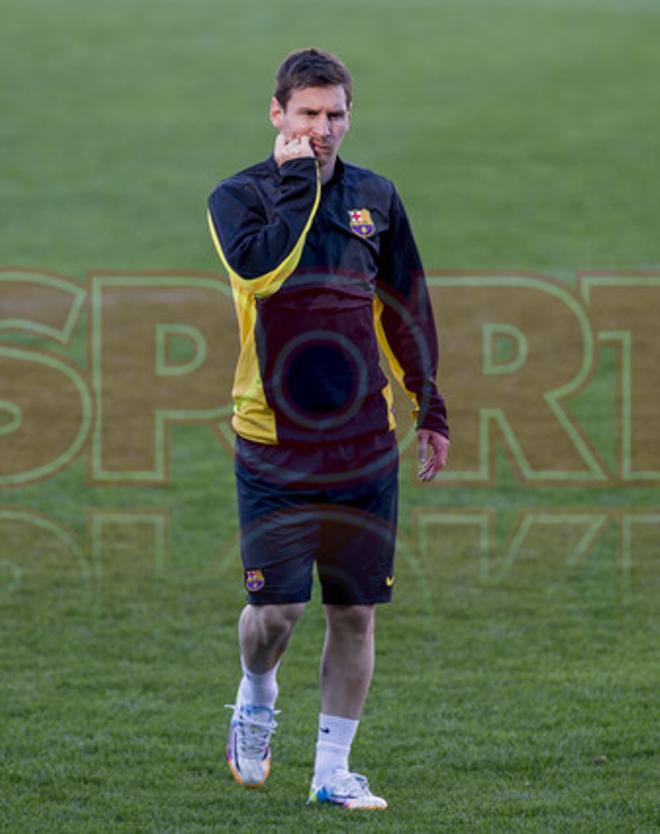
(276, 622)
(350, 620)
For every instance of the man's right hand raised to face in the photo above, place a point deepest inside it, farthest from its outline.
(297, 147)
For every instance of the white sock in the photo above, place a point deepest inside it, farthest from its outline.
(333, 745)
(258, 688)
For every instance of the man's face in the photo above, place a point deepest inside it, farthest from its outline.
(317, 112)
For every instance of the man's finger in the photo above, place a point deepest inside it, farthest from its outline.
(423, 447)
(441, 449)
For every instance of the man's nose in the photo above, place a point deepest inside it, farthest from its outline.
(322, 126)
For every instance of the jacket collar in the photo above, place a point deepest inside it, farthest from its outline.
(337, 174)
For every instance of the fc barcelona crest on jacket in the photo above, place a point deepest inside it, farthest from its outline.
(361, 223)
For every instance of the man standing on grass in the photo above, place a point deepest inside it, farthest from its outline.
(323, 268)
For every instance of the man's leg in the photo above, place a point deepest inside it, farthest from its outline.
(263, 633)
(347, 663)
(347, 666)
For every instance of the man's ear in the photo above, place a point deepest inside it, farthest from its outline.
(276, 113)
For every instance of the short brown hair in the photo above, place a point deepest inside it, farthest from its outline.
(311, 68)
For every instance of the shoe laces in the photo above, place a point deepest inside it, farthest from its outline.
(254, 732)
(345, 783)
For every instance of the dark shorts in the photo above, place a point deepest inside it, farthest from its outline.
(336, 506)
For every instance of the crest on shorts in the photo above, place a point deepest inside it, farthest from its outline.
(362, 223)
(254, 580)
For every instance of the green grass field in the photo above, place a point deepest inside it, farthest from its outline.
(513, 693)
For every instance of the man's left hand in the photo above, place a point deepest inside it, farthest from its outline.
(438, 445)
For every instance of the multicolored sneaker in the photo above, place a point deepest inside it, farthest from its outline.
(248, 745)
(350, 790)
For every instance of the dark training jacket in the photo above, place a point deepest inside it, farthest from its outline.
(320, 276)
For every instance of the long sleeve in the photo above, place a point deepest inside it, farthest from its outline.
(261, 251)
(405, 325)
